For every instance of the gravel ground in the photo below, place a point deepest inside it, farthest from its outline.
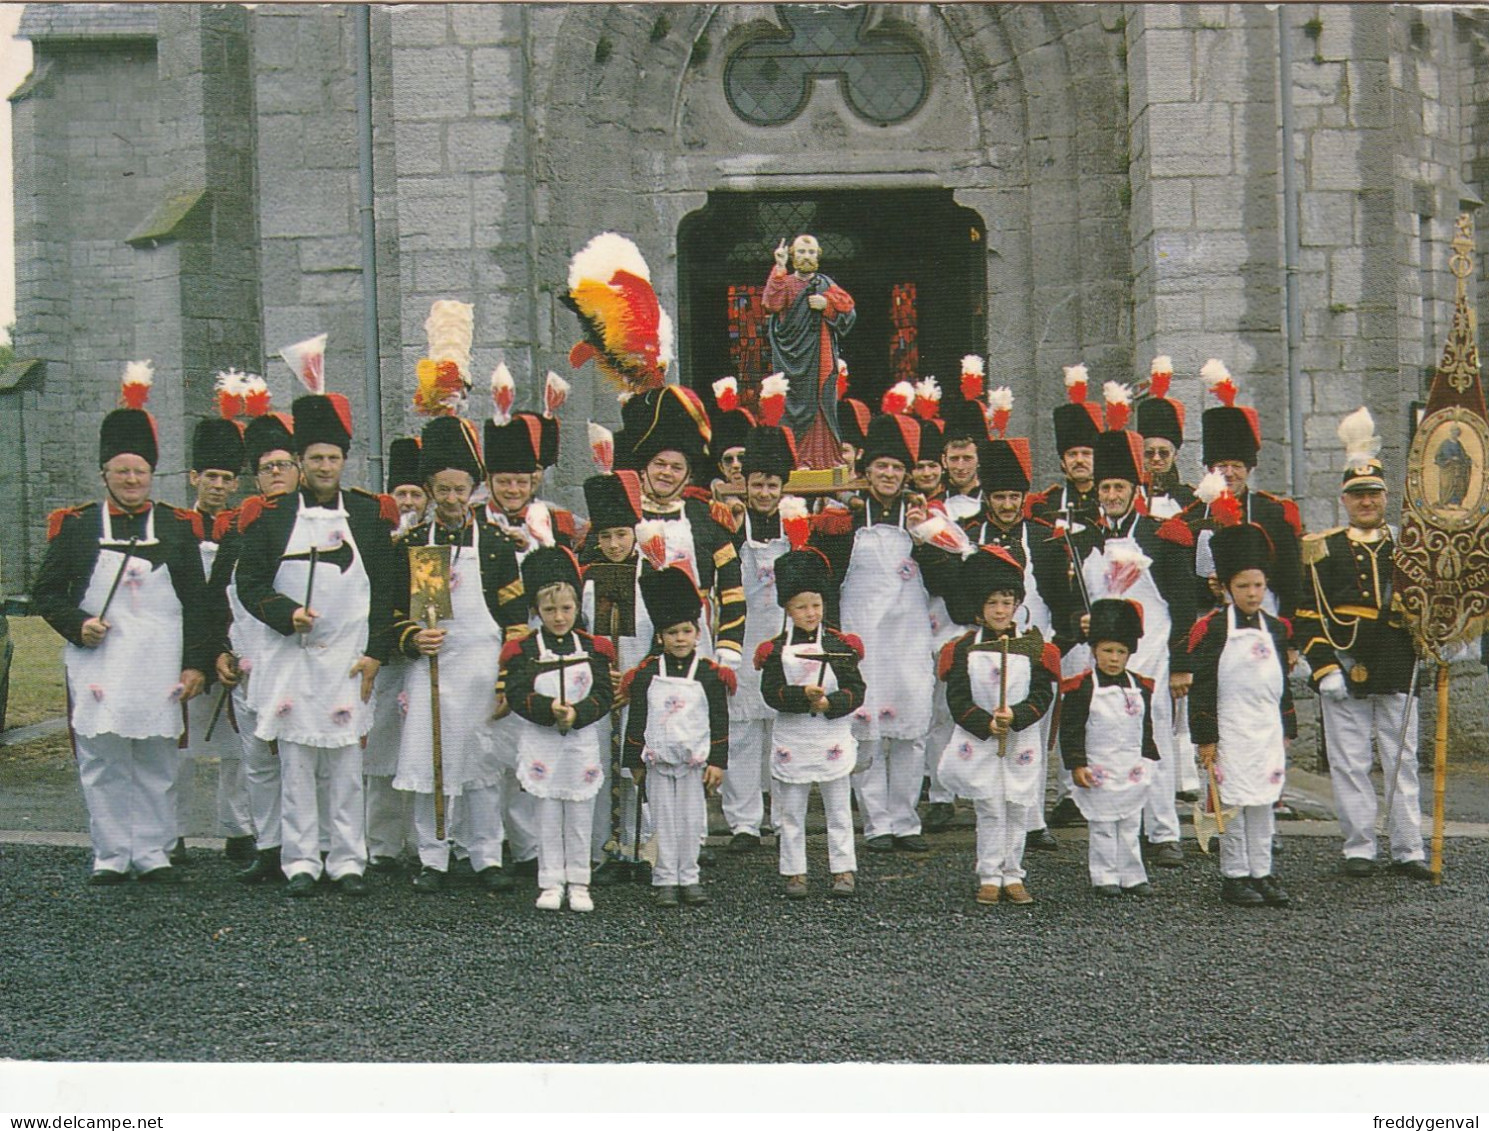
(912, 970)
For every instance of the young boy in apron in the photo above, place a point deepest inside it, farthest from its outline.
(809, 675)
(1106, 740)
(677, 732)
(997, 696)
(1242, 715)
(558, 684)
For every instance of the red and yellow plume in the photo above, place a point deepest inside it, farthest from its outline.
(726, 394)
(773, 399)
(1160, 376)
(307, 360)
(231, 387)
(897, 398)
(134, 391)
(1118, 399)
(795, 523)
(626, 332)
(973, 374)
(999, 409)
(1218, 380)
(927, 398)
(1075, 383)
(440, 387)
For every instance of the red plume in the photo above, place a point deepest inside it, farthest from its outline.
(256, 397)
(1218, 380)
(842, 378)
(726, 394)
(135, 390)
(795, 523)
(1162, 373)
(897, 398)
(773, 399)
(1226, 510)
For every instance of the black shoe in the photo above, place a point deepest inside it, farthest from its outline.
(1143, 889)
(239, 849)
(353, 884)
(912, 843)
(495, 879)
(166, 875)
(384, 865)
(524, 867)
(1107, 891)
(429, 881)
(1238, 892)
(301, 886)
(610, 873)
(1066, 815)
(1041, 840)
(883, 843)
(707, 858)
(1414, 869)
(1360, 867)
(938, 816)
(743, 842)
(667, 896)
(265, 867)
(1271, 891)
(179, 855)
(106, 878)
(1169, 854)
(693, 894)
(1187, 796)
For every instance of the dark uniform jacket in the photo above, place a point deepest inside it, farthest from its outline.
(718, 562)
(521, 667)
(1207, 641)
(72, 552)
(1044, 675)
(715, 681)
(1347, 600)
(1053, 575)
(1279, 517)
(1081, 506)
(843, 652)
(266, 525)
(501, 580)
(1075, 713)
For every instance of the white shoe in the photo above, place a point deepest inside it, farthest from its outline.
(550, 899)
(579, 899)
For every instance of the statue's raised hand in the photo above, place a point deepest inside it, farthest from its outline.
(783, 254)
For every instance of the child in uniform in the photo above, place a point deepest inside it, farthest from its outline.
(1241, 712)
(678, 728)
(995, 755)
(809, 674)
(1106, 740)
(558, 678)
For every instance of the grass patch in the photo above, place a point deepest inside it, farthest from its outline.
(36, 688)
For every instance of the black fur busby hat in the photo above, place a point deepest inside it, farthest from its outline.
(1004, 465)
(1162, 418)
(217, 445)
(932, 440)
(613, 500)
(449, 443)
(549, 565)
(964, 420)
(322, 418)
(769, 450)
(671, 597)
(990, 569)
(1118, 456)
(515, 447)
(804, 571)
(264, 434)
(1241, 547)
(403, 463)
(1118, 619)
(892, 435)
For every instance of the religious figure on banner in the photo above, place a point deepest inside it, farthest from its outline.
(1454, 468)
(809, 315)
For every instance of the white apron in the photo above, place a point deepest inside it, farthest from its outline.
(1252, 759)
(468, 665)
(565, 767)
(130, 684)
(884, 603)
(678, 534)
(1151, 657)
(808, 748)
(970, 766)
(762, 620)
(677, 737)
(1114, 754)
(306, 692)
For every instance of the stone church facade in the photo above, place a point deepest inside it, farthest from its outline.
(1042, 184)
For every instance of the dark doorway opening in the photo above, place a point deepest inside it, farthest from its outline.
(913, 260)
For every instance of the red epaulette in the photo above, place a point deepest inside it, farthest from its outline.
(223, 524)
(1201, 627)
(693, 491)
(1293, 515)
(192, 518)
(1039, 519)
(630, 676)
(1177, 531)
(58, 517)
(253, 507)
(1140, 504)
(1050, 658)
(1069, 685)
(1145, 681)
(601, 646)
(726, 676)
(833, 521)
(721, 514)
(947, 657)
(1038, 498)
(1287, 623)
(762, 654)
(510, 651)
(853, 641)
(563, 521)
(387, 509)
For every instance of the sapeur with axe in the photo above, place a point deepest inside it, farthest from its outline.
(999, 685)
(1241, 717)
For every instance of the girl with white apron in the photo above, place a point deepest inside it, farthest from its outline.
(676, 750)
(885, 604)
(750, 720)
(311, 704)
(1251, 756)
(1001, 788)
(468, 667)
(1113, 806)
(126, 709)
(807, 748)
(564, 772)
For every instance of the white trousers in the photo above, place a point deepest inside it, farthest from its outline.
(472, 826)
(126, 785)
(1357, 730)
(837, 806)
(1001, 826)
(1116, 857)
(563, 841)
(1161, 810)
(940, 735)
(519, 818)
(234, 816)
(1034, 818)
(1246, 844)
(742, 793)
(389, 816)
(888, 789)
(261, 775)
(677, 809)
(345, 812)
